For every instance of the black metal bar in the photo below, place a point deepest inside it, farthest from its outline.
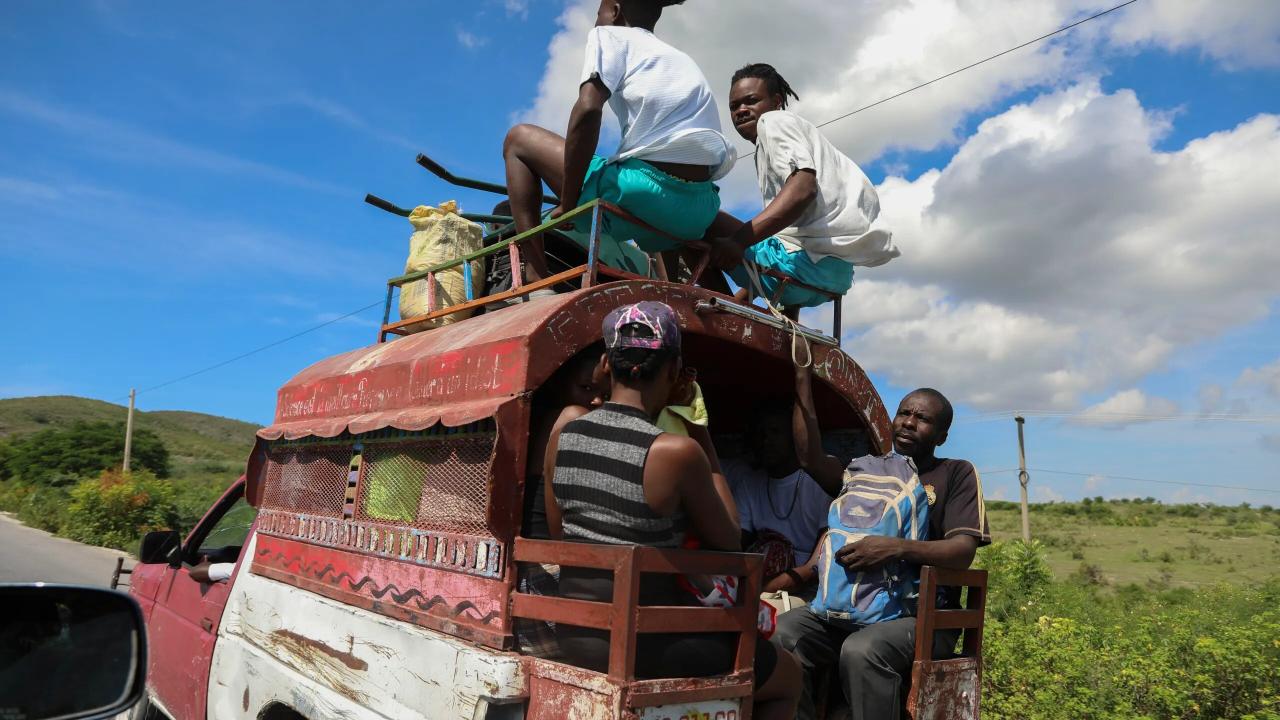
(487, 219)
(836, 329)
(381, 204)
(439, 171)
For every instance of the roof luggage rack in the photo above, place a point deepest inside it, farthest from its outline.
(607, 257)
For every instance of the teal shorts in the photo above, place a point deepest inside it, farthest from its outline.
(677, 207)
(829, 273)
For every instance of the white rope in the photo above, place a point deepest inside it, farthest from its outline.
(753, 275)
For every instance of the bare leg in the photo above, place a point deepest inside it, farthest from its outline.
(533, 156)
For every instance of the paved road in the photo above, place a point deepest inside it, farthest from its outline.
(30, 555)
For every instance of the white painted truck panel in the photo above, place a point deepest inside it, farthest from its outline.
(324, 659)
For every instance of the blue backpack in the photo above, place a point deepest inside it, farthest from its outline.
(882, 495)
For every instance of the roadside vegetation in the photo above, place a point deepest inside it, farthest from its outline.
(60, 460)
(1117, 609)
(1081, 646)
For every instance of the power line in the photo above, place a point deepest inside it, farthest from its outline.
(259, 349)
(1136, 417)
(970, 66)
(1105, 476)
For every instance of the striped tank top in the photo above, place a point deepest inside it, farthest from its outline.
(599, 480)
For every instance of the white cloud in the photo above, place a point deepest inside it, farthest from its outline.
(1266, 377)
(840, 56)
(119, 140)
(1126, 408)
(334, 111)
(1043, 493)
(516, 8)
(1094, 482)
(1238, 33)
(1060, 255)
(470, 40)
(1210, 397)
(1270, 442)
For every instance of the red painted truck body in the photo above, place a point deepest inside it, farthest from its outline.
(378, 578)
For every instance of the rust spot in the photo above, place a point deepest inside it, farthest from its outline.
(244, 702)
(301, 641)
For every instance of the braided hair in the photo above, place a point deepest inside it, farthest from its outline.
(773, 80)
(645, 13)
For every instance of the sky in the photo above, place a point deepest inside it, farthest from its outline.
(1090, 227)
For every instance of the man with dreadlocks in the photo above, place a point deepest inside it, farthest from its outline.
(819, 206)
(671, 148)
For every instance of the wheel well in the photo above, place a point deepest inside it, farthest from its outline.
(280, 711)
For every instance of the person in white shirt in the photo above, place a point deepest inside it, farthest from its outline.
(670, 151)
(819, 205)
(789, 485)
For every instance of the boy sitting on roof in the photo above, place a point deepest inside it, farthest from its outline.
(670, 152)
(819, 206)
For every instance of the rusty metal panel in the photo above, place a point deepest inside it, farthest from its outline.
(464, 605)
(563, 692)
(945, 689)
(515, 350)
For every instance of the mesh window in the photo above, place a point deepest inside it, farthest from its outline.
(309, 479)
(434, 483)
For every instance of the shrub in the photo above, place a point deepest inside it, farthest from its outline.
(1018, 576)
(1195, 654)
(61, 456)
(44, 508)
(117, 508)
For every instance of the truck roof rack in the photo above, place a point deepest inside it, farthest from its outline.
(607, 257)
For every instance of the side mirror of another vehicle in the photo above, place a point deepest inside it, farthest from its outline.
(69, 652)
(160, 546)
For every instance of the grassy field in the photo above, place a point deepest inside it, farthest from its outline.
(1150, 543)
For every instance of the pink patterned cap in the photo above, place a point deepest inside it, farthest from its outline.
(650, 325)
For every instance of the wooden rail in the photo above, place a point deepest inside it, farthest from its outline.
(623, 617)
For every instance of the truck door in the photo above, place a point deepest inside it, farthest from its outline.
(184, 621)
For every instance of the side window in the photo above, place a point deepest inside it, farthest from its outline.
(223, 541)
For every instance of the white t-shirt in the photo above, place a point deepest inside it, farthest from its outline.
(838, 223)
(661, 98)
(794, 506)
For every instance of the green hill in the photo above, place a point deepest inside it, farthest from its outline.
(198, 444)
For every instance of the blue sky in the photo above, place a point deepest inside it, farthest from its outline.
(180, 185)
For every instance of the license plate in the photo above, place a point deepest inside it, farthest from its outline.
(705, 710)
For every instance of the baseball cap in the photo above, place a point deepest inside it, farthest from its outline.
(654, 327)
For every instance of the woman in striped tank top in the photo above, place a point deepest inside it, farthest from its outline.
(613, 477)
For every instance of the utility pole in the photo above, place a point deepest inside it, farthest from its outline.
(1023, 479)
(128, 431)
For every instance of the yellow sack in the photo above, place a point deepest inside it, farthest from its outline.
(439, 235)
